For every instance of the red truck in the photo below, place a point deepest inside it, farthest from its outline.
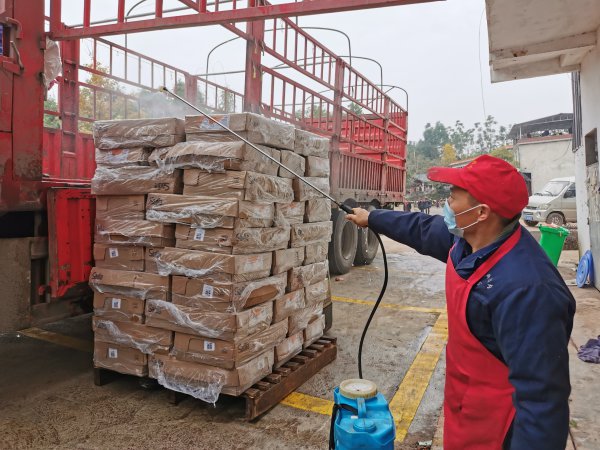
(46, 209)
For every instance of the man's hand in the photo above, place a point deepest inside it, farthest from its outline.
(360, 217)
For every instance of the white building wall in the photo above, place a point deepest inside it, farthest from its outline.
(546, 160)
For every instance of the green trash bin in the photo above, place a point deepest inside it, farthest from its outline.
(552, 241)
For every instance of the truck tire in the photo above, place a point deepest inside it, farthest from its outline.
(556, 219)
(367, 245)
(342, 248)
(531, 223)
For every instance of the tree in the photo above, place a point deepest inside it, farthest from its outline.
(356, 109)
(226, 102)
(448, 154)
(51, 121)
(504, 153)
(461, 138)
(434, 138)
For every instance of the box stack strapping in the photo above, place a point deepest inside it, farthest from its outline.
(244, 257)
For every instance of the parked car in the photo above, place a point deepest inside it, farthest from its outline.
(554, 203)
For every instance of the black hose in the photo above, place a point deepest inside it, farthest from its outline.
(381, 294)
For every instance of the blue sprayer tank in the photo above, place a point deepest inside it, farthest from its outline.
(362, 417)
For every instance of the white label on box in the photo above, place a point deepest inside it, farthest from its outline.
(209, 346)
(207, 290)
(115, 303)
(113, 252)
(113, 353)
(199, 234)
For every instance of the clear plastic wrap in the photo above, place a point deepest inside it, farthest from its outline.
(238, 241)
(206, 382)
(120, 157)
(316, 252)
(293, 161)
(217, 157)
(52, 63)
(317, 167)
(303, 276)
(317, 210)
(119, 307)
(303, 191)
(134, 232)
(227, 355)
(130, 133)
(314, 330)
(194, 263)
(284, 260)
(309, 233)
(310, 144)
(317, 292)
(121, 207)
(255, 128)
(289, 348)
(289, 213)
(285, 306)
(300, 319)
(131, 180)
(226, 326)
(218, 293)
(146, 339)
(172, 208)
(119, 257)
(129, 284)
(120, 359)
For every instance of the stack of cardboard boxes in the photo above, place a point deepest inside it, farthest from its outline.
(211, 260)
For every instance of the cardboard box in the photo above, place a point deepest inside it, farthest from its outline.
(303, 276)
(130, 133)
(238, 241)
(289, 348)
(219, 293)
(194, 263)
(135, 180)
(310, 144)
(133, 335)
(249, 186)
(119, 257)
(316, 252)
(285, 306)
(120, 359)
(227, 355)
(218, 157)
(314, 330)
(119, 307)
(227, 326)
(255, 128)
(293, 161)
(317, 167)
(309, 233)
(120, 207)
(134, 232)
(207, 382)
(318, 292)
(284, 260)
(303, 191)
(289, 213)
(299, 320)
(317, 210)
(120, 157)
(129, 284)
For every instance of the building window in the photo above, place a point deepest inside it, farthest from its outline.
(591, 147)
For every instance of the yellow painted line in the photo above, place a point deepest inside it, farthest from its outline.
(407, 399)
(307, 402)
(356, 301)
(59, 339)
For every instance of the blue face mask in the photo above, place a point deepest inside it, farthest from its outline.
(450, 220)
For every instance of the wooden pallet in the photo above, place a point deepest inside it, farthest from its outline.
(273, 388)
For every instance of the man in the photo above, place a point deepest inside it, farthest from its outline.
(510, 314)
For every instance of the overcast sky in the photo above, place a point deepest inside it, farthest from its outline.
(432, 50)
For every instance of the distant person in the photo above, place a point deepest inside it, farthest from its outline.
(407, 206)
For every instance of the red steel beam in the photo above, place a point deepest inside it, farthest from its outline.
(290, 9)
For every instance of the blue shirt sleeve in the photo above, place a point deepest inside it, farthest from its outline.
(426, 234)
(532, 329)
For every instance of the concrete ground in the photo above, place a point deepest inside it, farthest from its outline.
(48, 399)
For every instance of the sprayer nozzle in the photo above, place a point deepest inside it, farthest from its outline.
(163, 89)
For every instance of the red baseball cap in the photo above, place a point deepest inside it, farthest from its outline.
(489, 180)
